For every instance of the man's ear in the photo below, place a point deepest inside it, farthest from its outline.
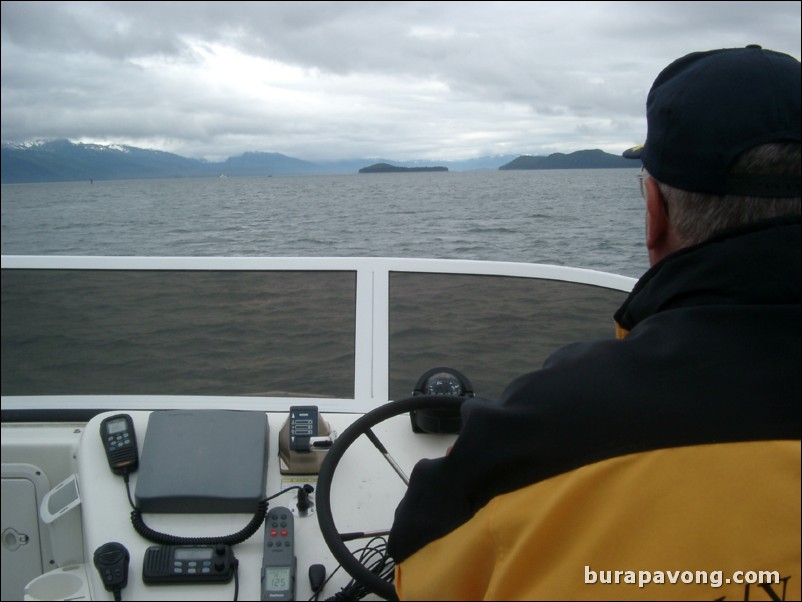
(659, 239)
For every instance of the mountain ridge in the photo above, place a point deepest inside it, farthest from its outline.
(66, 161)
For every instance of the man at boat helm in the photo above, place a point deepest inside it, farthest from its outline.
(665, 464)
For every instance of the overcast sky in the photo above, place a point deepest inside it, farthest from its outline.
(338, 80)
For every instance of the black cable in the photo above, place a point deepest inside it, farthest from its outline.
(128, 488)
(235, 564)
(381, 564)
(163, 538)
(175, 540)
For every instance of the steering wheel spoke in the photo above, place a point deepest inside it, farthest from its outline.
(390, 460)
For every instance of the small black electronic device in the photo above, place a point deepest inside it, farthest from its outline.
(111, 561)
(188, 564)
(317, 577)
(303, 426)
(119, 441)
(278, 560)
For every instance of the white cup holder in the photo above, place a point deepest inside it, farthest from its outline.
(65, 583)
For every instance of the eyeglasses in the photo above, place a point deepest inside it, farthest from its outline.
(641, 179)
(641, 182)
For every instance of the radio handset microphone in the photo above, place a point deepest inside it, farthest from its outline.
(111, 561)
(119, 442)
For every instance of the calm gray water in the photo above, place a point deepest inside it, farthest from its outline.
(582, 218)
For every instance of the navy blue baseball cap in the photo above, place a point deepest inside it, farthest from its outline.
(706, 108)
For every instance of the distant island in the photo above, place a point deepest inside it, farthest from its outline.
(387, 168)
(583, 159)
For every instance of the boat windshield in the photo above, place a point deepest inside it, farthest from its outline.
(491, 328)
(131, 332)
(279, 333)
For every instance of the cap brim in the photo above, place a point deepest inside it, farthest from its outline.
(633, 153)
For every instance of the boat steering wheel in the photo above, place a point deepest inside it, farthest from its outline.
(335, 540)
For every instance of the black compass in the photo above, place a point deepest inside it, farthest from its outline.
(445, 382)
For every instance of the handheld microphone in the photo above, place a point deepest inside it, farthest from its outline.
(303, 497)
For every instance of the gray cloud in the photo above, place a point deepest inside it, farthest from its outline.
(329, 80)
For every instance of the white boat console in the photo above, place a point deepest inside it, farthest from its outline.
(365, 492)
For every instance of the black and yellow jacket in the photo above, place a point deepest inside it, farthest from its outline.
(671, 455)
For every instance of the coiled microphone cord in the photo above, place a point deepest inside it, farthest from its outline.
(165, 539)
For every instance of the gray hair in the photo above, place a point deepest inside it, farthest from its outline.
(698, 216)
